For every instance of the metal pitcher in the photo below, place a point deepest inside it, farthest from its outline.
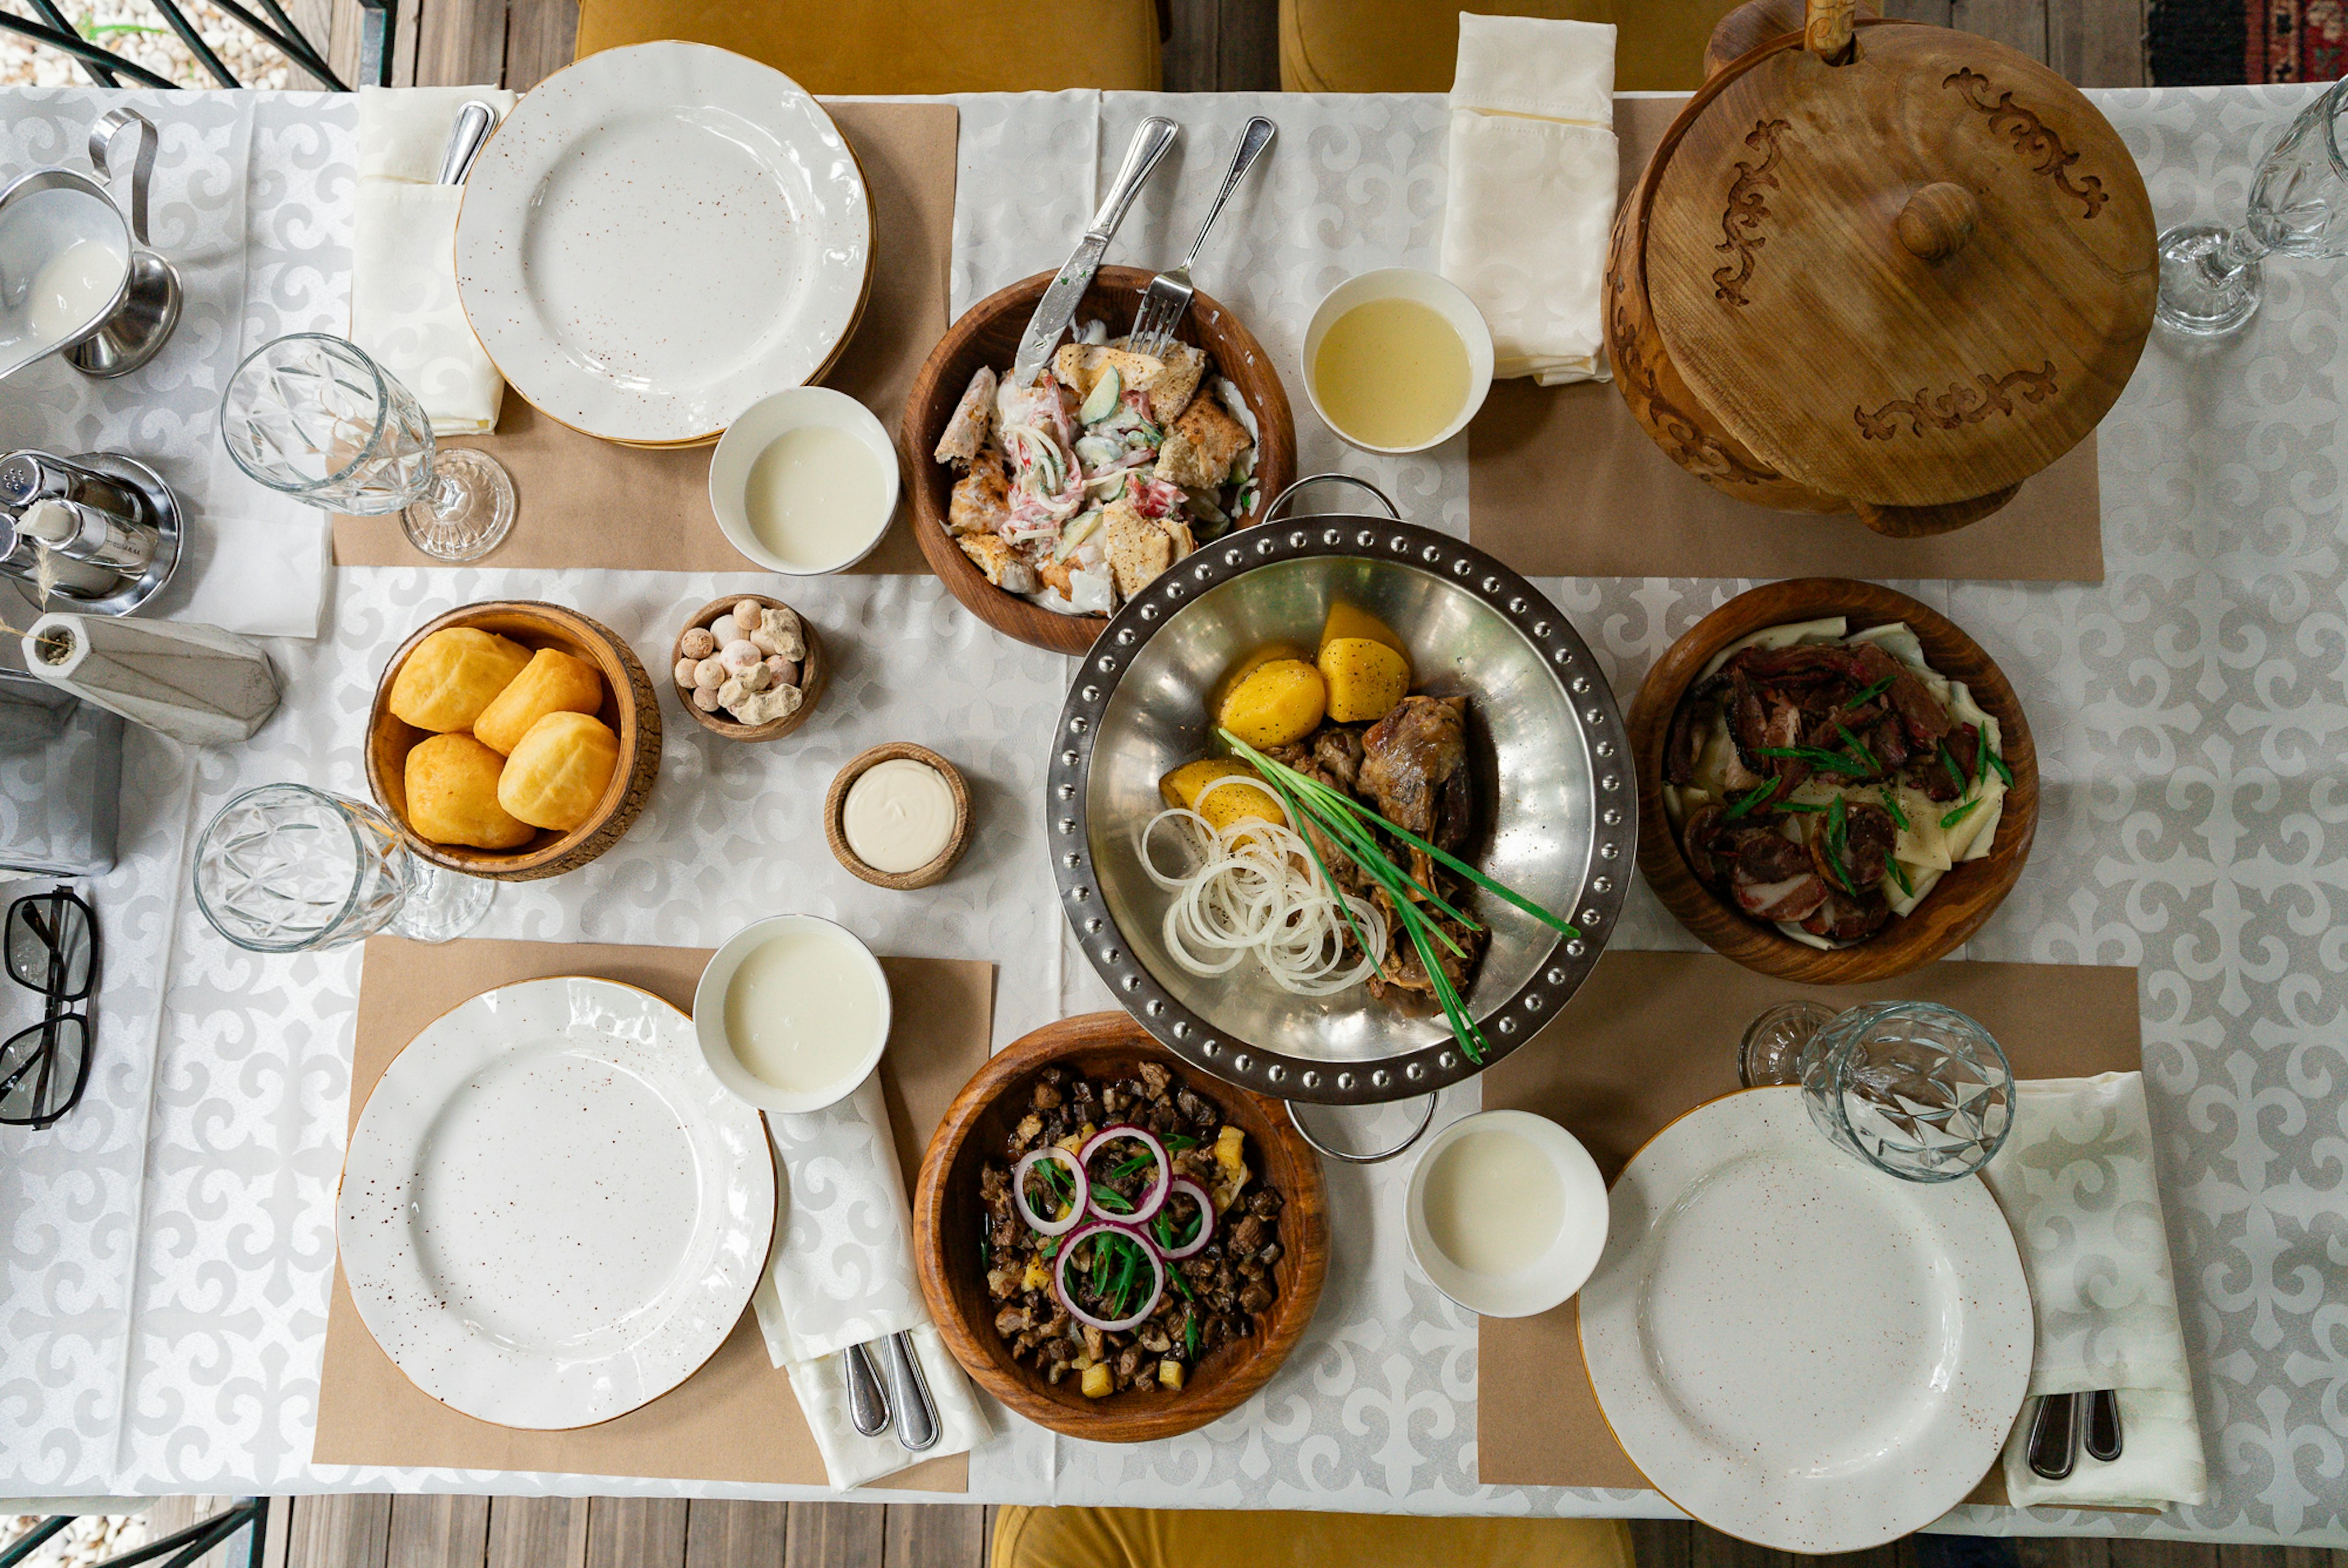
(77, 274)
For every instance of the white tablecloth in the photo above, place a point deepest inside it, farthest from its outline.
(166, 1249)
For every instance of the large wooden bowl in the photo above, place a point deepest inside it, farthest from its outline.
(946, 1229)
(1962, 899)
(988, 334)
(630, 707)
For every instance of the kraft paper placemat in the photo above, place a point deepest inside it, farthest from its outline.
(1654, 1035)
(588, 503)
(1563, 482)
(735, 1419)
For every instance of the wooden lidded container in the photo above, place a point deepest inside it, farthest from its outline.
(1880, 267)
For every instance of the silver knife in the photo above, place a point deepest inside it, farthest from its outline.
(1058, 306)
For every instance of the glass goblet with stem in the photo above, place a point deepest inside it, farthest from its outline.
(2211, 276)
(286, 868)
(314, 417)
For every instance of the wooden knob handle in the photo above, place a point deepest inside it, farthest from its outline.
(1938, 220)
(1827, 28)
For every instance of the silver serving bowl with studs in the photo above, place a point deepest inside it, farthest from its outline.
(1557, 818)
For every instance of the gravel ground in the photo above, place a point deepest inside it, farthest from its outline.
(137, 32)
(90, 1539)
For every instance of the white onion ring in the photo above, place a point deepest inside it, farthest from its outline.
(1143, 1211)
(1067, 1297)
(1206, 1221)
(1076, 1213)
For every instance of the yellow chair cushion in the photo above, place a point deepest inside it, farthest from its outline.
(906, 46)
(1170, 1538)
(1413, 46)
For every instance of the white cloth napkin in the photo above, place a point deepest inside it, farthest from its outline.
(1531, 189)
(404, 307)
(2078, 1183)
(841, 1273)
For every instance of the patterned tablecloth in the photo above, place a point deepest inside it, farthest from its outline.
(167, 1250)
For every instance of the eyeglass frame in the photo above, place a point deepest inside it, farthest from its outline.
(57, 1007)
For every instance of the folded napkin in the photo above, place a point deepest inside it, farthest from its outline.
(841, 1273)
(1531, 189)
(404, 306)
(2077, 1185)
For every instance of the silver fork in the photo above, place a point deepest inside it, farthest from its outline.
(1167, 299)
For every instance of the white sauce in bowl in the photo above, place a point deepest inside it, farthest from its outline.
(802, 1010)
(899, 815)
(816, 496)
(1494, 1203)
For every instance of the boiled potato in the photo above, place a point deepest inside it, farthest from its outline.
(453, 675)
(1349, 621)
(452, 795)
(1278, 704)
(1365, 679)
(1187, 786)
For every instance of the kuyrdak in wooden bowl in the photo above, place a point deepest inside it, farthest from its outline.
(626, 708)
(1814, 791)
(950, 1228)
(987, 338)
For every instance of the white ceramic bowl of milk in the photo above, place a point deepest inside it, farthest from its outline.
(1507, 1214)
(804, 482)
(792, 1013)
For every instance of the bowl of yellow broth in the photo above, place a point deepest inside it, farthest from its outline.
(1396, 360)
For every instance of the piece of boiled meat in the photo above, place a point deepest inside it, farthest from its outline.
(1409, 756)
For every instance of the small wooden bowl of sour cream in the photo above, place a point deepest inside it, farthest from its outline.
(1507, 1214)
(898, 816)
(792, 1013)
(805, 482)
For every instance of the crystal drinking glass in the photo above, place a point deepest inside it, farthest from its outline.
(1773, 1042)
(313, 417)
(286, 868)
(1914, 1089)
(2210, 282)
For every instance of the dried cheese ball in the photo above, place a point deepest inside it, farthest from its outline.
(453, 675)
(452, 795)
(552, 683)
(559, 771)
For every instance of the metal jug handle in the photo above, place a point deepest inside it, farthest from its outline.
(103, 135)
(1426, 1120)
(1271, 513)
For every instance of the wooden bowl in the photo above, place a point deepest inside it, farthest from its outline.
(630, 707)
(836, 801)
(1954, 908)
(988, 334)
(946, 1217)
(813, 670)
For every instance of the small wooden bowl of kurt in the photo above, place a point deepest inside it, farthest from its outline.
(813, 671)
(835, 825)
(946, 1231)
(988, 334)
(1955, 907)
(630, 708)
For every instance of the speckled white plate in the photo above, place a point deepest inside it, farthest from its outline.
(1797, 1349)
(659, 236)
(553, 1212)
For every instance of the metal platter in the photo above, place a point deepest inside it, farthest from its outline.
(1558, 819)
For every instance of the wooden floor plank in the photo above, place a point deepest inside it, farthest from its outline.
(634, 1532)
(934, 1535)
(1247, 47)
(2020, 24)
(461, 43)
(540, 38)
(530, 1532)
(1190, 47)
(835, 1535)
(725, 1534)
(172, 1515)
(340, 1530)
(439, 1530)
(1936, 12)
(1661, 1543)
(2066, 1552)
(2097, 43)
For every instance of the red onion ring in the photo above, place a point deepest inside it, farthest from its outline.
(1206, 1221)
(1076, 1213)
(1068, 1298)
(1148, 1207)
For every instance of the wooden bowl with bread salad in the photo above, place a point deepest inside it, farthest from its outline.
(1044, 509)
(513, 740)
(1836, 783)
(1116, 1246)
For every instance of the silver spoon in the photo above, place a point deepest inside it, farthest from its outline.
(868, 1407)
(909, 1396)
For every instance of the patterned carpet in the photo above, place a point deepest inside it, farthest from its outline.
(2202, 43)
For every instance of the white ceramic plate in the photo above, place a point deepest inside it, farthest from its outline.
(553, 1212)
(1797, 1349)
(659, 236)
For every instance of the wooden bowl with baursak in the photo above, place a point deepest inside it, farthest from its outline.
(1044, 509)
(1076, 1285)
(1837, 784)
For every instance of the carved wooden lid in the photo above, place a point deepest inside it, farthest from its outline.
(1910, 277)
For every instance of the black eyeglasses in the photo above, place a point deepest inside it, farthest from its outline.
(51, 941)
